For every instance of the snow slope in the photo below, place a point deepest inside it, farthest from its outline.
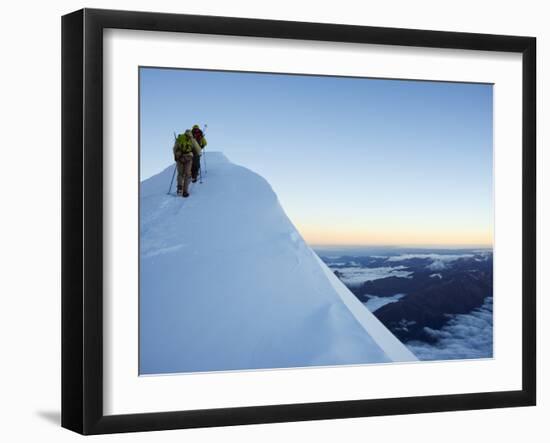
(228, 283)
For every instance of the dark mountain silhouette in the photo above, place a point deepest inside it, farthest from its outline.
(433, 294)
(431, 306)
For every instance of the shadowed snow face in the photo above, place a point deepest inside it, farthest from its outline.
(464, 336)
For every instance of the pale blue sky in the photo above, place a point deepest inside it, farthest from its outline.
(353, 160)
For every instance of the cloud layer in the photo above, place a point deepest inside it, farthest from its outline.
(376, 302)
(355, 276)
(464, 336)
(439, 261)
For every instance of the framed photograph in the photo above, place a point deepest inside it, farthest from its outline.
(269, 221)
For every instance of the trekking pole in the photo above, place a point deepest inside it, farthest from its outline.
(204, 156)
(174, 173)
(172, 181)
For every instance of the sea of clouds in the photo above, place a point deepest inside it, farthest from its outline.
(465, 336)
(374, 303)
(356, 275)
(439, 261)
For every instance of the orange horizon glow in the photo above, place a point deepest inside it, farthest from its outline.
(320, 236)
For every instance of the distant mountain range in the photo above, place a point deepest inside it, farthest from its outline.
(433, 290)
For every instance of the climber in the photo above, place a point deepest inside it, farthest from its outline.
(186, 148)
(201, 140)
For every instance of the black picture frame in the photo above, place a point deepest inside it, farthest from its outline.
(82, 218)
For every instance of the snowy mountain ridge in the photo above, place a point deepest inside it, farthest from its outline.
(228, 283)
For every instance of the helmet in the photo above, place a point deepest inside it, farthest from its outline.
(196, 127)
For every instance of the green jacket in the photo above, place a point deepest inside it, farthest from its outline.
(185, 144)
(202, 142)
